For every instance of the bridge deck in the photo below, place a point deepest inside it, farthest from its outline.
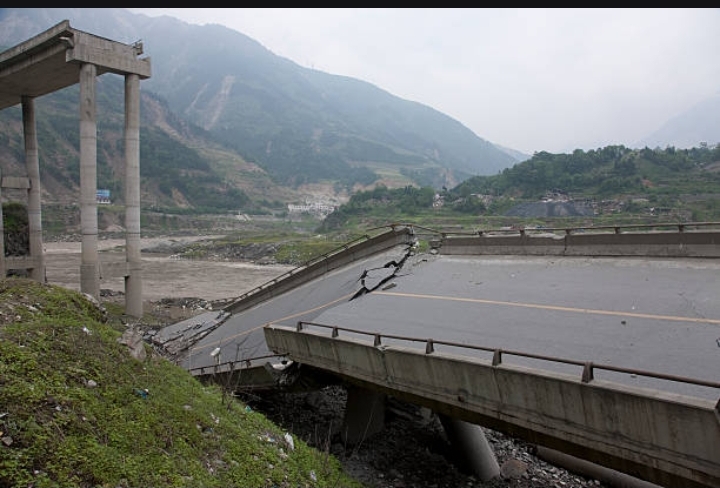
(654, 314)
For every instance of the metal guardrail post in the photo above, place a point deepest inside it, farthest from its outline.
(497, 357)
(587, 375)
(429, 347)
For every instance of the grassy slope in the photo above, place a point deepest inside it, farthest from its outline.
(73, 411)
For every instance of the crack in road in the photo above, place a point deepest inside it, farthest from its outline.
(373, 278)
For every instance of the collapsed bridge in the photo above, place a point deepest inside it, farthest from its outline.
(609, 358)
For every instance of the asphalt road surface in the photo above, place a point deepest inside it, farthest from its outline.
(659, 315)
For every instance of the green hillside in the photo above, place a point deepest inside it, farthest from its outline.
(226, 125)
(614, 183)
(80, 408)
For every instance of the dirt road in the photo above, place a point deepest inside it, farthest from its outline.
(163, 275)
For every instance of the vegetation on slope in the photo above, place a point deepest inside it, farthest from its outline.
(615, 182)
(291, 248)
(606, 173)
(77, 409)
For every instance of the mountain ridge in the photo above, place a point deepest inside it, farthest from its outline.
(700, 124)
(226, 115)
(301, 126)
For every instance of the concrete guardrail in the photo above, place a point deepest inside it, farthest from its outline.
(598, 241)
(664, 438)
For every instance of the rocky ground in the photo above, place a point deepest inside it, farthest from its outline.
(412, 451)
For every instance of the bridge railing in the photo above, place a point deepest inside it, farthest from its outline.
(318, 265)
(233, 365)
(665, 438)
(587, 375)
(684, 239)
(306, 264)
(588, 367)
(568, 230)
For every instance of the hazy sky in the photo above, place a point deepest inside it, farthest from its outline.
(529, 79)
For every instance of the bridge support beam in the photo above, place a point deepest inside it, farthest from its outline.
(592, 470)
(472, 447)
(364, 415)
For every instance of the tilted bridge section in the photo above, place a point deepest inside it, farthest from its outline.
(665, 438)
(668, 439)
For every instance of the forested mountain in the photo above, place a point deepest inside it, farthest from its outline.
(243, 123)
(605, 173)
(684, 183)
(228, 125)
(184, 167)
(614, 182)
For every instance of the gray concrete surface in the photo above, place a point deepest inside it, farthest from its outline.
(52, 60)
(661, 315)
(664, 438)
(240, 336)
(656, 314)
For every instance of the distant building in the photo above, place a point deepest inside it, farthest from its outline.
(315, 208)
(103, 196)
(556, 195)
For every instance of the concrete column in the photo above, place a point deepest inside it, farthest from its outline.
(89, 266)
(133, 279)
(32, 164)
(364, 415)
(473, 449)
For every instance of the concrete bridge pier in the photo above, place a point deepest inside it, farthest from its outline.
(32, 163)
(89, 267)
(364, 415)
(472, 447)
(52, 60)
(133, 276)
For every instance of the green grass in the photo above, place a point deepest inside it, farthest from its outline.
(74, 412)
(291, 248)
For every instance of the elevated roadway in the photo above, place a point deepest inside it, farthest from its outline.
(596, 344)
